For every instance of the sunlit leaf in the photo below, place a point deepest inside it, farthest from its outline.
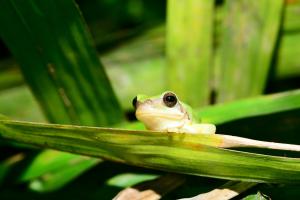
(182, 153)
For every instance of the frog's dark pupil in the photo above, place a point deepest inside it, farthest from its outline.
(134, 102)
(170, 99)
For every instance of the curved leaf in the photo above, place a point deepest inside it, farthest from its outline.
(182, 153)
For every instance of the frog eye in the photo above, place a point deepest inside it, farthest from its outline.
(170, 99)
(134, 102)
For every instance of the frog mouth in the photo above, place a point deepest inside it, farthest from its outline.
(159, 115)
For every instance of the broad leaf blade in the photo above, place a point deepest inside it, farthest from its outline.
(52, 180)
(187, 154)
(251, 107)
(189, 45)
(57, 59)
(248, 40)
(50, 161)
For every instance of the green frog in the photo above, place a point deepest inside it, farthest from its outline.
(167, 113)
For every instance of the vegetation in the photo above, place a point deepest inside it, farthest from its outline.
(71, 69)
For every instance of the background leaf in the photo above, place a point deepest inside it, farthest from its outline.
(190, 37)
(248, 39)
(62, 68)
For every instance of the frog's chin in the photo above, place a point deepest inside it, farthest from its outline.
(160, 122)
(158, 116)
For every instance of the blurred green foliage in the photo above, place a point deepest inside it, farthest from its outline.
(245, 49)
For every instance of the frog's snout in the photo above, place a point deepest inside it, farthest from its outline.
(135, 102)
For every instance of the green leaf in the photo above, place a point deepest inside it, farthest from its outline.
(244, 57)
(188, 154)
(52, 180)
(257, 196)
(50, 41)
(50, 161)
(129, 179)
(251, 107)
(189, 49)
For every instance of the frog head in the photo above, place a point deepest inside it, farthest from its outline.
(160, 111)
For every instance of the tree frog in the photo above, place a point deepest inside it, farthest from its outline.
(166, 113)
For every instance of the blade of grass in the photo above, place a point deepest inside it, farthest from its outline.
(187, 154)
(189, 49)
(56, 161)
(263, 105)
(129, 179)
(52, 180)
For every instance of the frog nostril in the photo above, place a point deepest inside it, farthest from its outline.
(134, 102)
